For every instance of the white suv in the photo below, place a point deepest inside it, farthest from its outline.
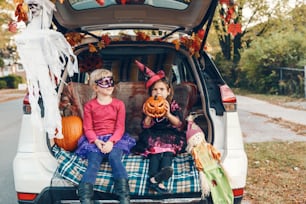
(165, 35)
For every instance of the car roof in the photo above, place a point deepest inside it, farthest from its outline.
(87, 15)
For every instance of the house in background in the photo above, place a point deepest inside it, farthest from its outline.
(11, 67)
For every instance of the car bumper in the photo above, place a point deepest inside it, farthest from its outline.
(53, 195)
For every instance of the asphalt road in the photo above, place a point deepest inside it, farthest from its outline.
(10, 118)
(256, 121)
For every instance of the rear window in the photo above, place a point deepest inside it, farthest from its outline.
(121, 61)
(91, 4)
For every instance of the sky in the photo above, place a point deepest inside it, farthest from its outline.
(291, 4)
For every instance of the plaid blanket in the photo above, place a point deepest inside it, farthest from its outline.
(184, 180)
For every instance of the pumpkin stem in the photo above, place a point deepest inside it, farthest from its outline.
(155, 97)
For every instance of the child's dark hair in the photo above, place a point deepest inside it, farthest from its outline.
(165, 81)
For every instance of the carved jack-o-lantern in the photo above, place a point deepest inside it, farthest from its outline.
(155, 106)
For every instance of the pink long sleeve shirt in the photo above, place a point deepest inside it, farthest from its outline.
(104, 119)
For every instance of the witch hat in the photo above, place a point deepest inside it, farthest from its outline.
(153, 77)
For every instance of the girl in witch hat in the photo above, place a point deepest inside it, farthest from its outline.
(162, 137)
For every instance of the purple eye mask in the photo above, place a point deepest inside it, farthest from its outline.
(105, 82)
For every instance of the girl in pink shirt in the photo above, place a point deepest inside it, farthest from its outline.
(104, 126)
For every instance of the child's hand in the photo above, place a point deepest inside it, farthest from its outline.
(107, 147)
(144, 110)
(174, 120)
(168, 109)
(99, 144)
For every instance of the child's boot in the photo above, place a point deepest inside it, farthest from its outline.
(122, 190)
(85, 193)
(164, 174)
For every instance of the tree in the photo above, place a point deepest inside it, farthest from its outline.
(6, 10)
(283, 46)
(256, 18)
(283, 49)
(6, 15)
(1, 62)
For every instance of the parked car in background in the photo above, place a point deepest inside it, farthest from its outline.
(166, 35)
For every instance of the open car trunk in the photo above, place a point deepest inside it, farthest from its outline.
(166, 35)
(130, 88)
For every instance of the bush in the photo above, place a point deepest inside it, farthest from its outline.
(3, 84)
(12, 81)
(285, 49)
(1, 62)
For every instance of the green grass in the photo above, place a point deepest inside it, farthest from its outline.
(276, 173)
(276, 170)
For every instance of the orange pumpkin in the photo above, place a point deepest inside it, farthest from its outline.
(72, 129)
(155, 106)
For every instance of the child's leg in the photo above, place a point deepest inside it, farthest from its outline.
(121, 184)
(166, 160)
(166, 169)
(154, 160)
(94, 162)
(118, 169)
(159, 171)
(85, 188)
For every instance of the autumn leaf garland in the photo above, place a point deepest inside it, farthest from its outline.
(192, 43)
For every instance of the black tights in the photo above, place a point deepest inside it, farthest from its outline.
(159, 161)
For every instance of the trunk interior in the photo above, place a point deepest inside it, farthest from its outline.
(130, 88)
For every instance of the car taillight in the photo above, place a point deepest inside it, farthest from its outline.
(26, 104)
(238, 192)
(228, 98)
(26, 196)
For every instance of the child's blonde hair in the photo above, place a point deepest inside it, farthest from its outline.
(98, 74)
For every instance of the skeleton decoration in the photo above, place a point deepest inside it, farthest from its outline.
(40, 13)
(44, 54)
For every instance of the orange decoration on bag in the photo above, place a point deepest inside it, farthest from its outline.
(155, 107)
(72, 129)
